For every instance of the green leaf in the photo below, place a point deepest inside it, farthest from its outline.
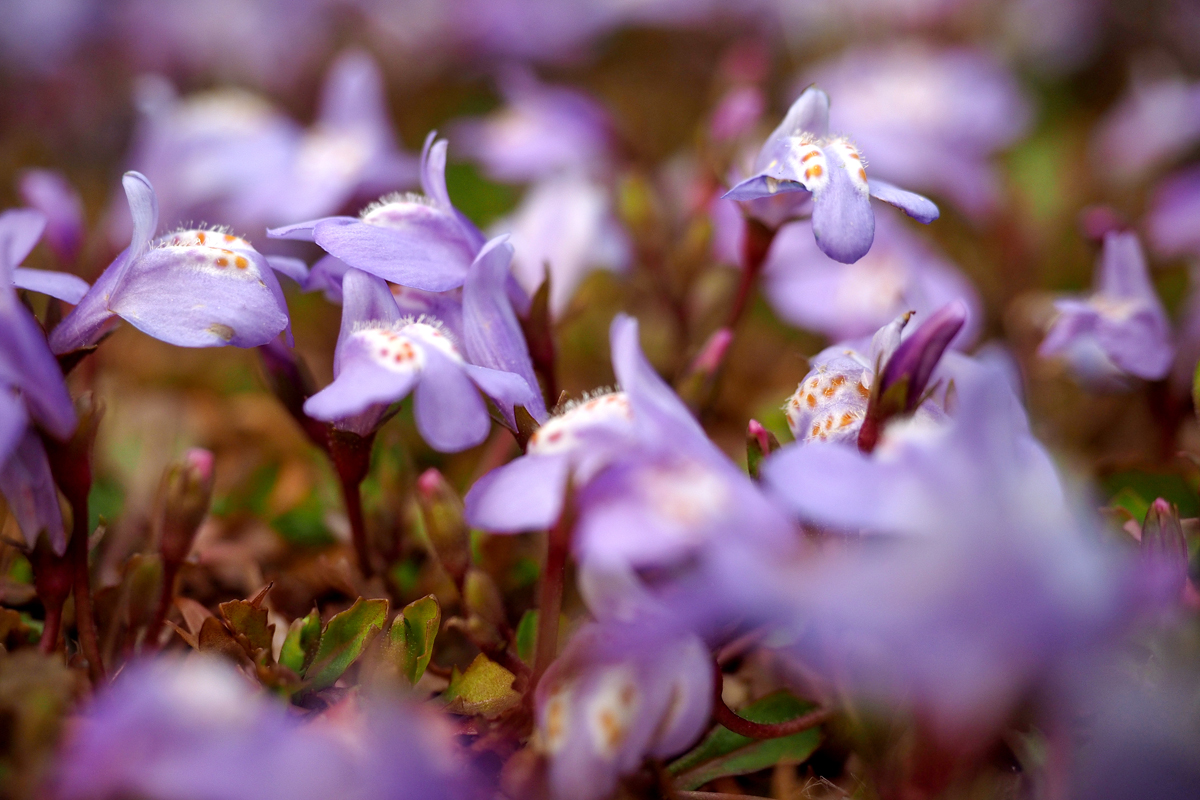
(249, 621)
(304, 525)
(410, 640)
(344, 639)
(527, 636)
(1128, 487)
(301, 643)
(724, 752)
(484, 689)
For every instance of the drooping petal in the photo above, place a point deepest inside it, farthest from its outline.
(201, 297)
(303, 231)
(362, 381)
(492, 335)
(32, 495)
(920, 208)
(523, 495)
(450, 414)
(424, 250)
(62, 285)
(843, 222)
(293, 268)
(503, 387)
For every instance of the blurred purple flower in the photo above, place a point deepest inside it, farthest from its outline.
(1175, 213)
(1121, 329)
(844, 301)
(540, 131)
(1154, 123)
(801, 156)
(980, 581)
(566, 225)
(381, 357)
(618, 694)
(231, 155)
(179, 729)
(421, 241)
(929, 118)
(50, 193)
(192, 288)
(31, 392)
(736, 114)
(22, 228)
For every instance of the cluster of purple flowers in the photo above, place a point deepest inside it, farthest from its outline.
(915, 558)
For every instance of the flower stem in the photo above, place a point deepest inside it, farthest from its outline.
(759, 730)
(51, 626)
(351, 456)
(352, 496)
(551, 594)
(755, 247)
(165, 596)
(85, 620)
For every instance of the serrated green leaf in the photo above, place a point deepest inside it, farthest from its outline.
(724, 752)
(484, 689)
(301, 643)
(249, 621)
(410, 640)
(344, 639)
(527, 636)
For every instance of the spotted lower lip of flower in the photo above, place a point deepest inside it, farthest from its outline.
(562, 432)
(191, 288)
(801, 156)
(415, 240)
(830, 403)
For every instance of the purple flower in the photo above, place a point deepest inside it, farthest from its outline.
(381, 357)
(231, 155)
(182, 729)
(1122, 329)
(929, 118)
(31, 392)
(50, 193)
(845, 301)
(22, 229)
(801, 156)
(978, 580)
(192, 288)
(565, 224)
(541, 131)
(1156, 122)
(420, 241)
(618, 694)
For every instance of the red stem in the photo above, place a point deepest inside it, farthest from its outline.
(755, 247)
(85, 620)
(53, 623)
(165, 596)
(760, 730)
(351, 456)
(352, 497)
(551, 595)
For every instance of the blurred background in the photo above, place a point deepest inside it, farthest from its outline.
(600, 133)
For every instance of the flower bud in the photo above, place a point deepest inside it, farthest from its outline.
(1164, 548)
(760, 443)
(442, 511)
(186, 492)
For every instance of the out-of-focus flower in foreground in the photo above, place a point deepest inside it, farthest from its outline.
(801, 156)
(1121, 330)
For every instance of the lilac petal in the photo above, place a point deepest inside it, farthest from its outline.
(354, 95)
(492, 335)
(32, 495)
(91, 318)
(175, 295)
(13, 421)
(808, 114)
(303, 231)
(652, 400)
(842, 221)
(360, 384)
(1123, 272)
(20, 229)
(62, 285)
(50, 193)
(916, 357)
(143, 208)
(503, 387)
(433, 170)
(922, 209)
(428, 253)
(761, 186)
(293, 268)
(450, 414)
(365, 299)
(523, 495)
(26, 362)
(1140, 345)
(326, 277)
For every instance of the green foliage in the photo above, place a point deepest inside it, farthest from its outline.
(485, 689)
(410, 639)
(344, 639)
(724, 752)
(527, 636)
(301, 642)
(248, 620)
(1135, 490)
(304, 525)
(105, 501)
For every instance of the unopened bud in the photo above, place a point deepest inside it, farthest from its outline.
(186, 492)
(1164, 547)
(697, 383)
(442, 511)
(760, 443)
